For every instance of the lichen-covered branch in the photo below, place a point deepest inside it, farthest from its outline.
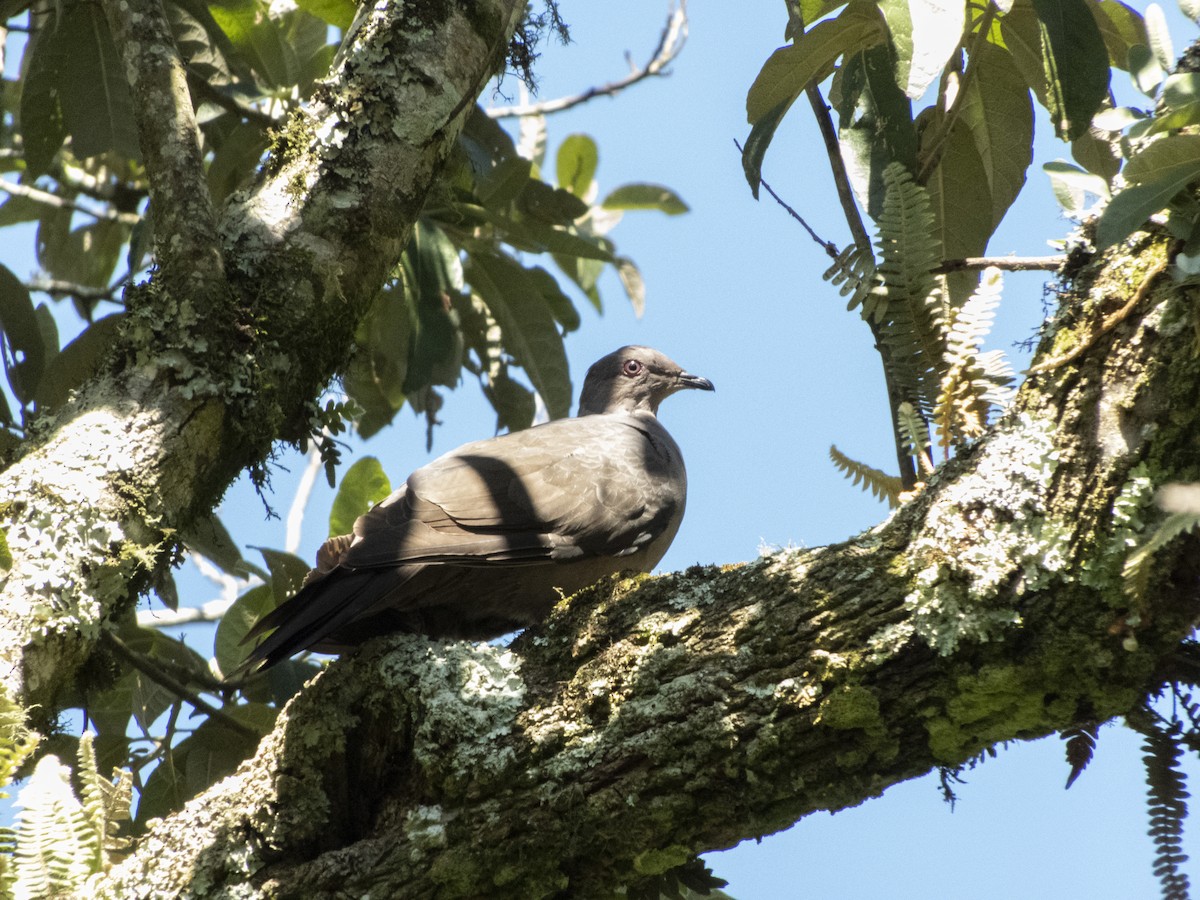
(650, 719)
(214, 366)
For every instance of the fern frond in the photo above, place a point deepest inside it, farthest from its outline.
(909, 302)
(1137, 569)
(1081, 743)
(55, 845)
(106, 802)
(880, 484)
(1166, 791)
(853, 273)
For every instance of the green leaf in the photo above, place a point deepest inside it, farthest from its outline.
(1158, 36)
(96, 105)
(997, 110)
(76, 362)
(876, 125)
(208, 536)
(87, 255)
(235, 159)
(287, 572)
(432, 273)
(811, 58)
(1180, 99)
(645, 196)
(363, 485)
(375, 377)
(248, 608)
(527, 325)
(1095, 152)
(6, 559)
(575, 165)
(338, 13)
(761, 135)
(633, 283)
(1155, 176)
(1147, 74)
(1071, 184)
(1121, 27)
(1076, 64)
(18, 320)
(961, 196)
(542, 204)
(42, 128)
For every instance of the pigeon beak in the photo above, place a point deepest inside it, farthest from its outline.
(687, 380)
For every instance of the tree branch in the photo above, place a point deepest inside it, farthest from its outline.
(45, 198)
(91, 509)
(670, 43)
(660, 717)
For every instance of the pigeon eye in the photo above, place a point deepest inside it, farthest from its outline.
(632, 367)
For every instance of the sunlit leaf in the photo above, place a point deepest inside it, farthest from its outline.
(208, 536)
(924, 34)
(338, 13)
(1121, 27)
(1155, 176)
(575, 165)
(645, 196)
(363, 485)
(757, 143)
(247, 609)
(287, 572)
(811, 58)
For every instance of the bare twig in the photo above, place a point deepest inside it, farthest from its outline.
(185, 615)
(1107, 325)
(48, 199)
(1007, 263)
(295, 516)
(178, 688)
(670, 43)
(862, 240)
(56, 287)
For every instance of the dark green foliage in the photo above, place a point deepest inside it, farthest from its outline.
(1166, 791)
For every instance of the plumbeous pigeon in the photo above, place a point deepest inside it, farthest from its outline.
(488, 538)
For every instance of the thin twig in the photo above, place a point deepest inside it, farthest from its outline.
(1006, 263)
(828, 246)
(670, 43)
(295, 516)
(53, 200)
(1107, 325)
(178, 688)
(185, 615)
(56, 287)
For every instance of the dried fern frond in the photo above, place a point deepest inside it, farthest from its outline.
(55, 845)
(883, 486)
(105, 802)
(973, 382)
(1081, 744)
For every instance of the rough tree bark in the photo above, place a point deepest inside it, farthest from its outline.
(247, 318)
(653, 718)
(649, 718)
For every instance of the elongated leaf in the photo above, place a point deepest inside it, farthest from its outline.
(42, 128)
(1071, 185)
(789, 69)
(1121, 28)
(755, 149)
(23, 335)
(363, 485)
(997, 110)
(433, 273)
(96, 104)
(1076, 63)
(287, 572)
(77, 362)
(645, 196)
(1181, 103)
(575, 165)
(527, 325)
(963, 204)
(1159, 37)
(1156, 175)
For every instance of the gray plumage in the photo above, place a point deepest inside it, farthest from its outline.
(487, 538)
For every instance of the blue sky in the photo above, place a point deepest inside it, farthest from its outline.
(734, 293)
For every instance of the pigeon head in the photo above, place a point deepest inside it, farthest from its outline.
(634, 379)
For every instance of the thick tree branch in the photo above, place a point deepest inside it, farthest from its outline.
(654, 718)
(209, 374)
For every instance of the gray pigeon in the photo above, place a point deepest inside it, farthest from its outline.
(486, 539)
